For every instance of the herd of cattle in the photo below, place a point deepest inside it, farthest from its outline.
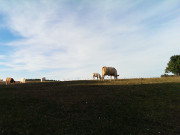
(23, 80)
(110, 71)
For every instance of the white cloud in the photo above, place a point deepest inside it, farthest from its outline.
(72, 41)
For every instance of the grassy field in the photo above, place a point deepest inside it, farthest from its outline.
(144, 106)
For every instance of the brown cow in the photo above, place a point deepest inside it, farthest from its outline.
(9, 80)
(110, 71)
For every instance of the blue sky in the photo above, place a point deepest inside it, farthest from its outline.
(70, 39)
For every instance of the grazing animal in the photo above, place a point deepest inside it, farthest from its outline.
(23, 80)
(110, 71)
(96, 75)
(9, 80)
(43, 79)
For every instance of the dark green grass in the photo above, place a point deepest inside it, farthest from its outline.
(69, 108)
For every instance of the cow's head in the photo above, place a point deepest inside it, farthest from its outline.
(115, 77)
(12, 80)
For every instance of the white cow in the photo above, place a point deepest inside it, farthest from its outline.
(43, 79)
(110, 71)
(96, 75)
(23, 80)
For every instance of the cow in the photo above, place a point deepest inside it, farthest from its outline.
(110, 71)
(96, 75)
(9, 80)
(43, 79)
(23, 80)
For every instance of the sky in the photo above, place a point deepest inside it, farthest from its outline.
(71, 39)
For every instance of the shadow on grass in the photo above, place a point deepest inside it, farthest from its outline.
(82, 108)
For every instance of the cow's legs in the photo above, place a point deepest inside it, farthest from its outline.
(102, 77)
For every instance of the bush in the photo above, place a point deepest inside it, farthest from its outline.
(166, 75)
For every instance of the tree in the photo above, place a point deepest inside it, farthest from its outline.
(174, 65)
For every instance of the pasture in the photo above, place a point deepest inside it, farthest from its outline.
(144, 106)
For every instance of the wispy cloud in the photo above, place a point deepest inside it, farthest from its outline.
(70, 40)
